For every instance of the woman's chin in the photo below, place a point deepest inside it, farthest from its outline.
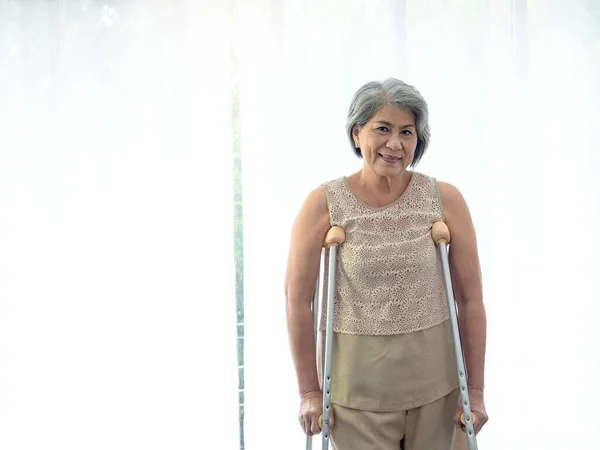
(390, 172)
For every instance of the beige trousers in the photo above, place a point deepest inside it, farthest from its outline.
(429, 427)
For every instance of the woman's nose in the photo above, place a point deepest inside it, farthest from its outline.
(394, 143)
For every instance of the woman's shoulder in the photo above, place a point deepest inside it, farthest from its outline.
(333, 182)
(425, 177)
(450, 196)
(445, 188)
(315, 209)
(319, 199)
(448, 191)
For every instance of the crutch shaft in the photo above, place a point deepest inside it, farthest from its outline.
(335, 237)
(460, 365)
(326, 427)
(441, 237)
(315, 311)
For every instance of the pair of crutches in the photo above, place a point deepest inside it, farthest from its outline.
(336, 237)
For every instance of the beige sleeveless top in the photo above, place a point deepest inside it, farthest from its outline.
(392, 347)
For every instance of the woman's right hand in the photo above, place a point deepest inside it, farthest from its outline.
(311, 409)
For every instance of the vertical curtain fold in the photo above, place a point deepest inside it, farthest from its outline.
(117, 310)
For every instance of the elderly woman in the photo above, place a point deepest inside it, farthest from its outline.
(394, 375)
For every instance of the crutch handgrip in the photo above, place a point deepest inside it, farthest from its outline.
(334, 237)
(440, 233)
(473, 416)
(320, 422)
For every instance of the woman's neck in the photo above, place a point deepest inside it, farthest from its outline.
(374, 184)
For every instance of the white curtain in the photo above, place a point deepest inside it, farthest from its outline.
(513, 94)
(117, 306)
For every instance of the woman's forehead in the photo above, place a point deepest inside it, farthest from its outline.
(393, 115)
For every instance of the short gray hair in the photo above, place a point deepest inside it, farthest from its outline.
(375, 94)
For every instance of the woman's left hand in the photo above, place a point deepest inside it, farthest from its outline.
(477, 408)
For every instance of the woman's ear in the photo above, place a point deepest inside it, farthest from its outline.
(355, 131)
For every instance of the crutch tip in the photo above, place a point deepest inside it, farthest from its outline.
(440, 233)
(334, 237)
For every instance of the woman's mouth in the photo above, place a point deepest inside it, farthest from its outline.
(389, 158)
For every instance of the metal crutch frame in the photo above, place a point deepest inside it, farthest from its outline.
(333, 239)
(441, 238)
(315, 311)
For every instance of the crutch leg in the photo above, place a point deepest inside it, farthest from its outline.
(441, 237)
(315, 311)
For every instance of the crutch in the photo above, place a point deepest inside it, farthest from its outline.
(315, 311)
(441, 237)
(334, 238)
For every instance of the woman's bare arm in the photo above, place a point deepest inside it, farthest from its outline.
(308, 232)
(466, 282)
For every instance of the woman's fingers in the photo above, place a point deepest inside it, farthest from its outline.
(457, 417)
(311, 404)
(480, 421)
(311, 417)
(315, 427)
(306, 426)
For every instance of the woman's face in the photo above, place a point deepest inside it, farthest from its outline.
(387, 141)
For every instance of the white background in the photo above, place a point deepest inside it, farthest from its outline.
(117, 311)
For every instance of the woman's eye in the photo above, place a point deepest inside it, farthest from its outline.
(407, 132)
(382, 129)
